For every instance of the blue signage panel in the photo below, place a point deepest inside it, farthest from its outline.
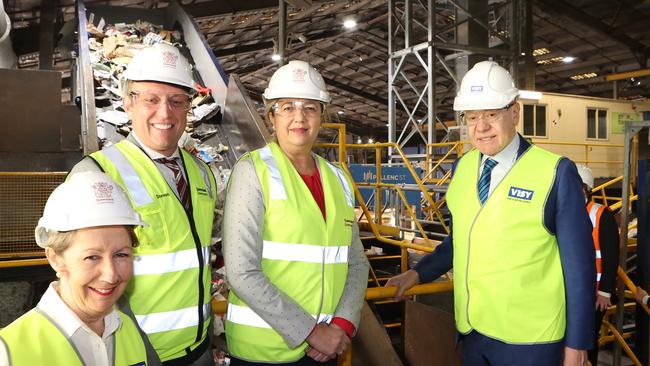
(362, 173)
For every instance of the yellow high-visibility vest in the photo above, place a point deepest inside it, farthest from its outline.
(508, 282)
(33, 339)
(169, 293)
(303, 255)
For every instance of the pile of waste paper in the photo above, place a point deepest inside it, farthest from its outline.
(112, 46)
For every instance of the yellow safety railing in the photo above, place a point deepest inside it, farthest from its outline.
(586, 149)
(434, 165)
(613, 202)
(375, 293)
(379, 187)
(609, 332)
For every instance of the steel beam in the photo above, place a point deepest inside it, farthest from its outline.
(627, 75)
(561, 7)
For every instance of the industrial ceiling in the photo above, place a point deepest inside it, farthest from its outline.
(599, 37)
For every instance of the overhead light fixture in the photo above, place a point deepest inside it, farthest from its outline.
(349, 23)
(370, 140)
(587, 75)
(359, 140)
(275, 57)
(341, 112)
(529, 94)
(550, 61)
(568, 59)
(541, 51)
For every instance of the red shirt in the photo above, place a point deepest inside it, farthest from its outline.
(315, 186)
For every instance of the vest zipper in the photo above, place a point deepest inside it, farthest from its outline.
(199, 253)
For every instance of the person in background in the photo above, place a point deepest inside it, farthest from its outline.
(87, 233)
(175, 193)
(606, 238)
(520, 244)
(294, 260)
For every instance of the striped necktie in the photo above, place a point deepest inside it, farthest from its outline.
(179, 179)
(484, 180)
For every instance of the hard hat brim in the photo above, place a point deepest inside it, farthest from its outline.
(41, 233)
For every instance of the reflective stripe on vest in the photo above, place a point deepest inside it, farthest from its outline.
(508, 282)
(303, 255)
(244, 315)
(170, 320)
(169, 262)
(595, 211)
(344, 183)
(276, 187)
(34, 339)
(170, 289)
(132, 181)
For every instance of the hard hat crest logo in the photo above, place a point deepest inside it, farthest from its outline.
(169, 59)
(299, 80)
(299, 75)
(485, 86)
(103, 192)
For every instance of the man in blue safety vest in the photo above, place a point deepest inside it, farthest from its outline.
(521, 247)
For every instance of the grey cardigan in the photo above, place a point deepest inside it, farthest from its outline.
(242, 229)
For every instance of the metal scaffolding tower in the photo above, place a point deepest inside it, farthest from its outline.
(479, 29)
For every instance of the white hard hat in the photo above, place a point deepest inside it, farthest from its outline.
(297, 79)
(486, 86)
(85, 200)
(586, 175)
(160, 62)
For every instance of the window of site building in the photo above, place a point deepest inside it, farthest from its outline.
(596, 124)
(534, 120)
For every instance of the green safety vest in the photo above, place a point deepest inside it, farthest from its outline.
(508, 282)
(304, 256)
(169, 293)
(34, 339)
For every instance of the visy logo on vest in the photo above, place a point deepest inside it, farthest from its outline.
(520, 194)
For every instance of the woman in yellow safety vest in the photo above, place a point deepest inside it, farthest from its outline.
(293, 257)
(87, 233)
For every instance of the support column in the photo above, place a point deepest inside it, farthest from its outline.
(282, 30)
(642, 334)
(470, 33)
(527, 45)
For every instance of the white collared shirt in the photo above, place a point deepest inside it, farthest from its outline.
(93, 349)
(167, 173)
(506, 159)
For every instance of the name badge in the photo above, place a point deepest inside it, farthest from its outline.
(520, 194)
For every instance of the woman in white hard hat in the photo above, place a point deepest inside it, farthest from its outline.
(293, 256)
(605, 236)
(87, 231)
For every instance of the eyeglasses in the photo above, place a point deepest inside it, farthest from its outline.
(489, 116)
(308, 108)
(175, 101)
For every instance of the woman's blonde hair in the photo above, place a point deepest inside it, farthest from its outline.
(60, 241)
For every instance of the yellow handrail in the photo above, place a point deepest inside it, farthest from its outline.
(630, 286)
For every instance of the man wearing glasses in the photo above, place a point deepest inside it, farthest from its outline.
(175, 193)
(521, 246)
